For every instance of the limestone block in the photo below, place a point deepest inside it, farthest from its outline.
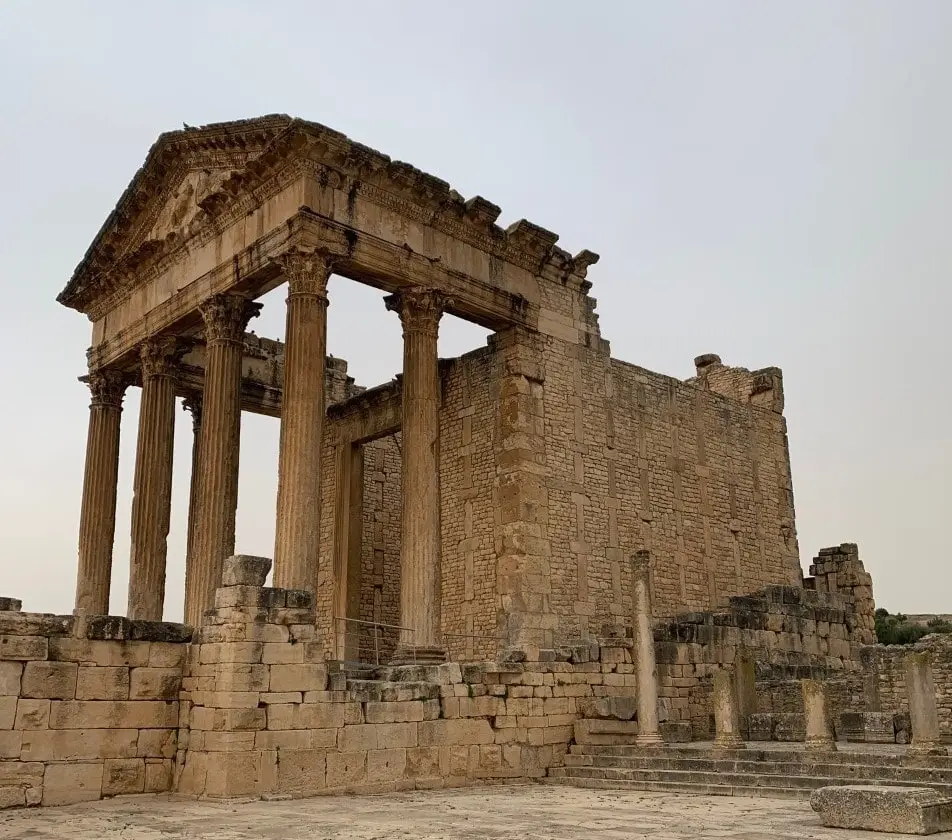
(275, 697)
(245, 570)
(231, 652)
(386, 765)
(288, 739)
(55, 680)
(23, 647)
(605, 732)
(397, 735)
(32, 714)
(10, 673)
(423, 762)
(790, 727)
(319, 716)
(8, 711)
(158, 775)
(123, 776)
(99, 652)
(154, 683)
(303, 677)
(232, 699)
(157, 743)
(66, 784)
(230, 774)
(113, 714)
(11, 742)
(434, 733)
(900, 810)
(281, 653)
(11, 604)
(301, 772)
(102, 683)
(167, 655)
(394, 712)
(78, 744)
(359, 738)
(228, 741)
(346, 769)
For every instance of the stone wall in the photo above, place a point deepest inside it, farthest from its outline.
(87, 708)
(267, 716)
(885, 677)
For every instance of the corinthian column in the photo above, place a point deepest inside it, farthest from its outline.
(298, 527)
(152, 485)
(97, 518)
(193, 404)
(226, 317)
(421, 641)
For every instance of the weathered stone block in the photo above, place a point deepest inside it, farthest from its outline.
(123, 776)
(605, 732)
(434, 733)
(158, 775)
(32, 714)
(245, 570)
(23, 647)
(304, 677)
(395, 712)
(66, 784)
(386, 765)
(102, 683)
(11, 605)
(157, 743)
(155, 683)
(113, 714)
(53, 680)
(900, 810)
(78, 744)
(346, 769)
(11, 742)
(10, 673)
(301, 772)
(98, 652)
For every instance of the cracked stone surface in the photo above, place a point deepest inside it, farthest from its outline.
(500, 813)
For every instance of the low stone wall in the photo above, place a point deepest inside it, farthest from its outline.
(268, 717)
(87, 708)
(787, 633)
(885, 687)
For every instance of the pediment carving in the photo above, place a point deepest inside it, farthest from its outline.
(184, 205)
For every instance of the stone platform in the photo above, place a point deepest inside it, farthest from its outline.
(509, 812)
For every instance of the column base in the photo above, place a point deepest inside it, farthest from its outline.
(732, 742)
(411, 655)
(824, 745)
(649, 740)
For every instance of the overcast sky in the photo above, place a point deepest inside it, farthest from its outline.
(771, 182)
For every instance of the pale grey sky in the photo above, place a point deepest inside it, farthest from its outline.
(768, 181)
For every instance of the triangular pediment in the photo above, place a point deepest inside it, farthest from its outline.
(163, 200)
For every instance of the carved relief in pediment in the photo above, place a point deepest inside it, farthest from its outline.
(183, 205)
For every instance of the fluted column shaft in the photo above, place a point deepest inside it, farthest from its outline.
(298, 526)
(421, 640)
(226, 317)
(193, 404)
(152, 484)
(643, 650)
(97, 518)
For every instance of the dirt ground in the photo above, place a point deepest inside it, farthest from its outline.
(536, 812)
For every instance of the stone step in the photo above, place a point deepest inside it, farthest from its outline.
(762, 784)
(753, 754)
(816, 767)
(677, 787)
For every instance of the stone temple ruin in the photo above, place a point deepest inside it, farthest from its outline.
(533, 561)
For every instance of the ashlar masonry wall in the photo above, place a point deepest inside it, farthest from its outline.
(87, 708)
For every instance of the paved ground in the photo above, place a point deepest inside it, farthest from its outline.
(534, 812)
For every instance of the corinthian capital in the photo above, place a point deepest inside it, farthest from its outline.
(420, 308)
(108, 387)
(307, 272)
(226, 317)
(160, 356)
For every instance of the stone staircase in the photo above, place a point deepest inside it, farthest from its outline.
(755, 771)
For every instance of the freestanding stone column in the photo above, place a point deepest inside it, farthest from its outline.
(816, 716)
(420, 311)
(226, 317)
(152, 485)
(97, 518)
(298, 527)
(923, 714)
(643, 651)
(193, 404)
(726, 718)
